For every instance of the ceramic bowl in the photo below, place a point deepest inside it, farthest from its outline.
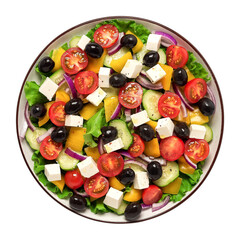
(217, 120)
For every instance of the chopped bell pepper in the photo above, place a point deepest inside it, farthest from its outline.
(184, 167)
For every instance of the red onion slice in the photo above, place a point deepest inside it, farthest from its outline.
(128, 114)
(188, 160)
(184, 110)
(116, 111)
(71, 85)
(83, 194)
(167, 39)
(23, 129)
(132, 161)
(147, 84)
(125, 153)
(211, 95)
(74, 154)
(101, 149)
(148, 159)
(27, 117)
(157, 206)
(116, 47)
(144, 206)
(46, 134)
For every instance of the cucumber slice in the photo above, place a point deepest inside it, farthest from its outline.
(150, 104)
(162, 56)
(57, 77)
(121, 208)
(74, 41)
(31, 137)
(169, 173)
(134, 167)
(66, 162)
(118, 54)
(209, 133)
(123, 132)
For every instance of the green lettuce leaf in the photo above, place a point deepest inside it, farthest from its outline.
(97, 206)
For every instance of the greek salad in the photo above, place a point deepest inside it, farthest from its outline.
(120, 120)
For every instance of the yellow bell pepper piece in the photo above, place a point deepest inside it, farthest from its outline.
(75, 139)
(180, 118)
(139, 44)
(152, 148)
(60, 184)
(89, 110)
(62, 96)
(133, 196)
(94, 64)
(113, 182)
(45, 118)
(166, 80)
(92, 152)
(56, 57)
(196, 117)
(110, 105)
(118, 64)
(184, 167)
(152, 124)
(190, 75)
(173, 187)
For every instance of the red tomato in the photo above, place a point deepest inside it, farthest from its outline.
(57, 113)
(106, 35)
(74, 179)
(169, 105)
(110, 164)
(96, 186)
(195, 90)
(50, 149)
(130, 95)
(86, 82)
(74, 60)
(171, 148)
(137, 148)
(151, 195)
(197, 149)
(177, 56)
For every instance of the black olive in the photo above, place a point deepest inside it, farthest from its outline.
(181, 130)
(133, 210)
(78, 202)
(94, 50)
(154, 169)
(117, 80)
(73, 106)
(108, 134)
(146, 132)
(59, 134)
(126, 176)
(206, 106)
(129, 41)
(151, 58)
(37, 110)
(180, 77)
(46, 65)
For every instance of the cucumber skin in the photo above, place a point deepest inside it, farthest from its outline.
(31, 137)
(209, 133)
(74, 41)
(121, 209)
(55, 77)
(61, 162)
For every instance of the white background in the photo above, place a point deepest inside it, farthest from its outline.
(27, 211)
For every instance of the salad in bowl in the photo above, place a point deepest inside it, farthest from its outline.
(120, 120)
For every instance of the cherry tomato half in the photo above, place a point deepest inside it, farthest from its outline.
(195, 90)
(57, 113)
(130, 95)
(96, 186)
(177, 56)
(106, 35)
(151, 195)
(138, 146)
(110, 164)
(86, 82)
(197, 149)
(50, 149)
(73, 179)
(171, 148)
(74, 60)
(169, 105)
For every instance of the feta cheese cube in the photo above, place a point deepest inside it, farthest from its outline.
(155, 73)
(113, 198)
(52, 172)
(73, 121)
(141, 180)
(153, 42)
(104, 75)
(48, 88)
(140, 118)
(88, 167)
(83, 42)
(165, 127)
(132, 68)
(197, 131)
(114, 145)
(96, 97)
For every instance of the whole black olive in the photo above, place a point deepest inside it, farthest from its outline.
(129, 40)
(94, 50)
(117, 80)
(38, 110)
(133, 210)
(59, 134)
(180, 76)
(151, 58)
(46, 65)
(73, 106)
(206, 106)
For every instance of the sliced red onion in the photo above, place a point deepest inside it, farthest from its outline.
(138, 109)
(188, 160)
(83, 194)
(144, 206)
(74, 154)
(71, 85)
(23, 129)
(128, 114)
(125, 153)
(27, 117)
(101, 149)
(116, 111)
(167, 39)
(178, 92)
(132, 161)
(62, 82)
(148, 159)
(211, 95)
(46, 134)
(157, 206)
(184, 110)
(147, 84)
(116, 47)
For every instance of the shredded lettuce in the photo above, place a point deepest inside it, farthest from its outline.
(97, 206)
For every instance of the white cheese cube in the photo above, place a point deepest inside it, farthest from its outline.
(155, 73)
(83, 42)
(113, 198)
(140, 118)
(114, 145)
(52, 172)
(104, 75)
(48, 88)
(73, 121)
(96, 97)
(141, 180)
(88, 167)
(197, 131)
(132, 68)
(153, 42)
(165, 127)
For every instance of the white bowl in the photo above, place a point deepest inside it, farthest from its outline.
(217, 120)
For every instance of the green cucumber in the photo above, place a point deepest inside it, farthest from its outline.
(169, 173)
(121, 208)
(57, 76)
(66, 162)
(150, 104)
(74, 41)
(123, 132)
(162, 56)
(209, 133)
(31, 137)
(118, 54)
(134, 167)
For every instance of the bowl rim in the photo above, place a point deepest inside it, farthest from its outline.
(136, 19)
